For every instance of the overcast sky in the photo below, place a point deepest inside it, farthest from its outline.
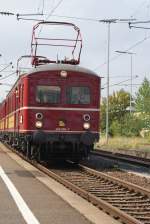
(15, 36)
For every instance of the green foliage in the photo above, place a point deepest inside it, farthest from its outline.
(103, 114)
(143, 98)
(115, 128)
(129, 126)
(118, 102)
(132, 125)
(121, 122)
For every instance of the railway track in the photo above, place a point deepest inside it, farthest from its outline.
(123, 157)
(122, 200)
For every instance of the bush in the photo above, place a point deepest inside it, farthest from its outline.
(115, 128)
(131, 126)
(128, 126)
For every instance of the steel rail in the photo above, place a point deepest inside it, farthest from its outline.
(123, 157)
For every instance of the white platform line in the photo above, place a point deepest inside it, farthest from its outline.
(22, 206)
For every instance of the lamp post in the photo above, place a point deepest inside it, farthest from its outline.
(108, 21)
(131, 73)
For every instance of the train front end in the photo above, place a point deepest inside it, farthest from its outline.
(63, 110)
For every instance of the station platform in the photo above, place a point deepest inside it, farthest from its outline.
(29, 196)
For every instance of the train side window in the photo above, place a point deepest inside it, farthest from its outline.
(48, 94)
(78, 95)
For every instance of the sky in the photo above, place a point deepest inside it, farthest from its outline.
(15, 38)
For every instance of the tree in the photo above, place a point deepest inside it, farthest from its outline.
(142, 102)
(118, 102)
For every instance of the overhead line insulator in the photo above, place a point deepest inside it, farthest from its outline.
(7, 13)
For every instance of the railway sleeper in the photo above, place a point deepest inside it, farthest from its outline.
(130, 206)
(110, 192)
(95, 185)
(143, 219)
(139, 203)
(101, 194)
(117, 199)
(99, 189)
(95, 191)
(83, 180)
(105, 182)
(95, 188)
(135, 209)
(108, 187)
(124, 197)
(88, 183)
(139, 213)
(80, 175)
(111, 197)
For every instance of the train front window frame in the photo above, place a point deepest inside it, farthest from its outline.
(78, 95)
(48, 94)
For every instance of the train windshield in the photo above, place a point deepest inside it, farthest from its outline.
(78, 95)
(48, 94)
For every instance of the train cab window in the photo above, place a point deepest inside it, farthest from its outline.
(48, 94)
(78, 95)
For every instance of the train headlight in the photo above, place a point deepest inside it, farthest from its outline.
(63, 74)
(86, 117)
(86, 125)
(39, 116)
(38, 124)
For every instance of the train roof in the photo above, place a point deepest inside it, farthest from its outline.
(67, 67)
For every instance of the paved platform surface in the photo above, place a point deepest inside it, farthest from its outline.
(29, 196)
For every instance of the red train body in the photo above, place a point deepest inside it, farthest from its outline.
(52, 111)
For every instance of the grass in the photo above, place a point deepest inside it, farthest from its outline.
(125, 143)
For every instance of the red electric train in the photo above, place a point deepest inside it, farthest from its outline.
(52, 111)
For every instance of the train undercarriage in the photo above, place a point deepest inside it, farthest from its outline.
(41, 147)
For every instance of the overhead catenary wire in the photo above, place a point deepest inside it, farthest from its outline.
(51, 12)
(75, 17)
(7, 66)
(135, 84)
(117, 56)
(117, 76)
(54, 9)
(115, 84)
(138, 8)
(91, 19)
(7, 76)
(43, 5)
